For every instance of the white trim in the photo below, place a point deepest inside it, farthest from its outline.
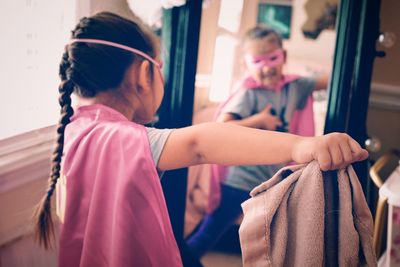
(385, 96)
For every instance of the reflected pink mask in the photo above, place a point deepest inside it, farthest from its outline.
(272, 59)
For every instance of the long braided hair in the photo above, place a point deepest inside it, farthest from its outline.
(87, 69)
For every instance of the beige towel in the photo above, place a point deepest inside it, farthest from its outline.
(283, 222)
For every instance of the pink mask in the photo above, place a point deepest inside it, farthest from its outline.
(272, 59)
(158, 64)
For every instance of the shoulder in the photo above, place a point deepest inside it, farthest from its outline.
(123, 141)
(252, 93)
(242, 98)
(157, 140)
(303, 82)
(121, 130)
(157, 137)
(120, 136)
(155, 133)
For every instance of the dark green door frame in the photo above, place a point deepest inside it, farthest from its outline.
(343, 67)
(357, 33)
(366, 47)
(180, 39)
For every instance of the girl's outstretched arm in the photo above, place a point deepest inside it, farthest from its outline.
(228, 144)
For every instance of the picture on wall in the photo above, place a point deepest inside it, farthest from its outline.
(277, 16)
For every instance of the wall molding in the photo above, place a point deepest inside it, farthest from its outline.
(385, 96)
(24, 166)
(25, 158)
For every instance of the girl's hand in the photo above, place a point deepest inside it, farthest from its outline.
(332, 151)
(266, 120)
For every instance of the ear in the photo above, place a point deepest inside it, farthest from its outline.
(144, 80)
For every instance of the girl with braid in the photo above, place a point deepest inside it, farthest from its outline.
(115, 212)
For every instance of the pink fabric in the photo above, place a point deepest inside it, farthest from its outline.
(251, 83)
(284, 221)
(115, 209)
(273, 59)
(302, 123)
(218, 173)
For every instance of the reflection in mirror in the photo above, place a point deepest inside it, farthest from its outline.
(227, 58)
(321, 15)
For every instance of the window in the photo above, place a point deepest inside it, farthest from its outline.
(228, 26)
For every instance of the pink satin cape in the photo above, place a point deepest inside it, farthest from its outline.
(115, 213)
(302, 123)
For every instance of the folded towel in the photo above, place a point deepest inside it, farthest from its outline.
(284, 221)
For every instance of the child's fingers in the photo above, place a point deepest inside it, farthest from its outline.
(336, 156)
(346, 153)
(338, 151)
(357, 151)
(324, 159)
(267, 108)
(272, 122)
(278, 122)
(363, 155)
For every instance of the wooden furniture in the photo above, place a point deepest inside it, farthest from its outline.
(379, 172)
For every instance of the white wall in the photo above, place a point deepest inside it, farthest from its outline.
(33, 37)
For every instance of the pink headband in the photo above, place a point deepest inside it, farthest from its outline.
(273, 59)
(124, 47)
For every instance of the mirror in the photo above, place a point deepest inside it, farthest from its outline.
(308, 35)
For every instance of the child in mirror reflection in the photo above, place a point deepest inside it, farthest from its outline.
(268, 99)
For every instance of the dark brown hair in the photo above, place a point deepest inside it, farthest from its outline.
(260, 31)
(87, 69)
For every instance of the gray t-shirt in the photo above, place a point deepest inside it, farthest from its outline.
(157, 140)
(249, 102)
